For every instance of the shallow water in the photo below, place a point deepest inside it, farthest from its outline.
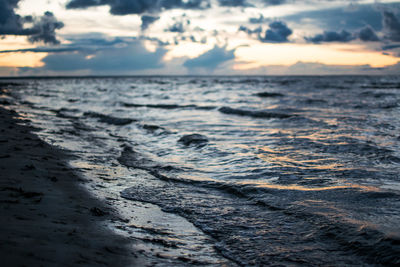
(281, 171)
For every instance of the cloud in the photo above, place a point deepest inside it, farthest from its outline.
(234, 3)
(258, 20)
(367, 34)
(43, 29)
(278, 32)
(343, 37)
(274, 2)
(43, 50)
(211, 59)
(147, 21)
(336, 19)
(89, 43)
(177, 27)
(314, 68)
(249, 31)
(180, 24)
(112, 60)
(125, 7)
(391, 46)
(391, 26)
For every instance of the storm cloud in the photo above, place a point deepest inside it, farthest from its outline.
(114, 59)
(274, 2)
(368, 34)
(331, 36)
(147, 21)
(42, 29)
(249, 31)
(391, 26)
(125, 7)
(233, 3)
(278, 32)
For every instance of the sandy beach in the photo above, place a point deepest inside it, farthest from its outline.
(47, 218)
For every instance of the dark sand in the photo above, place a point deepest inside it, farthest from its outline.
(47, 218)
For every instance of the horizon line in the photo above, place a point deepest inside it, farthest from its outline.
(180, 75)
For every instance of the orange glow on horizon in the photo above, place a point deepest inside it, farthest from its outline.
(18, 59)
(259, 55)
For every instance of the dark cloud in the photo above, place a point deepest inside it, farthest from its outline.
(43, 50)
(249, 31)
(367, 34)
(258, 20)
(210, 59)
(115, 59)
(147, 21)
(180, 25)
(336, 19)
(274, 2)
(391, 46)
(234, 3)
(98, 41)
(125, 7)
(7, 14)
(343, 37)
(391, 26)
(90, 43)
(191, 38)
(156, 40)
(278, 32)
(43, 29)
(176, 27)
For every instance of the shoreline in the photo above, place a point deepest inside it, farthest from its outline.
(56, 212)
(47, 217)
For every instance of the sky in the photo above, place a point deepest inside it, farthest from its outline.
(199, 37)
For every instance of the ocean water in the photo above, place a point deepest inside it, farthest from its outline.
(264, 170)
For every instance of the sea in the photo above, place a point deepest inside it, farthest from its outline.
(234, 170)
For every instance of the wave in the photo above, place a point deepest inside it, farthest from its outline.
(109, 119)
(193, 139)
(200, 202)
(133, 159)
(155, 129)
(382, 85)
(269, 94)
(11, 84)
(167, 106)
(255, 114)
(377, 95)
(311, 101)
(66, 113)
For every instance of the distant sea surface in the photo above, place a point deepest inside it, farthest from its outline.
(274, 170)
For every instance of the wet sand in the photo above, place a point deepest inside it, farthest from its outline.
(47, 218)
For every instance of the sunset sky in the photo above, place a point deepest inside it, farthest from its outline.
(133, 37)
